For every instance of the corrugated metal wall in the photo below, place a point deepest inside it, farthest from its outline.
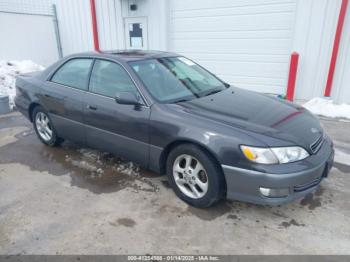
(314, 31)
(75, 25)
(110, 28)
(76, 28)
(341, 84)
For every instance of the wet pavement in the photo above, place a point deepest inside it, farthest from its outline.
(75, 200)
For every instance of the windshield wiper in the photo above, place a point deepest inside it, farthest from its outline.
(181, 100)
(212, 92)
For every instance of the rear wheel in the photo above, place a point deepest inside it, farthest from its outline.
(195, 176)
(44, 128)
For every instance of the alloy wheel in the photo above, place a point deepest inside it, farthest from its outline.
(43, 126)
(190, 176)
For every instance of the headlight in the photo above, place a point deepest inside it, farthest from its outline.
(274, 155)
(290, 154)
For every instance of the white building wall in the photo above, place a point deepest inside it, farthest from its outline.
(245, 42)
(110, 24)
(316, 22)
(29, 37)
(157, 15)
(27, 31)
(341, 83)
(75, 25)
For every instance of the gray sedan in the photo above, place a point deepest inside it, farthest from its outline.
(172, 116)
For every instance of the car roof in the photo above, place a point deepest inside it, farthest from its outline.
(128, 55)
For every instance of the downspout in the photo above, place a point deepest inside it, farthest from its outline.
(94, 25)
(336, 44)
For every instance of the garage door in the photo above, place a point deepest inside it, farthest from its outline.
(247, 43)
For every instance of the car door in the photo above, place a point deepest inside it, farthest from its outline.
(117, 128)
(62, 95)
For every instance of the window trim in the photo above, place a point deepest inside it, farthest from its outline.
(145, 104)
(61, 66)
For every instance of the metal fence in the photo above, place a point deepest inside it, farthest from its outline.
(29, 7)
(37, 8)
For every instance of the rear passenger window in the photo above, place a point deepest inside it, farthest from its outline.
(108, 78)
(74, 73)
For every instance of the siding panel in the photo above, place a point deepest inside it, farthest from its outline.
(74, 19)
(341, 83)
(107, 24)
(314, 33)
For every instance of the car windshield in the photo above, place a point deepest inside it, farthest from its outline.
(176, 79)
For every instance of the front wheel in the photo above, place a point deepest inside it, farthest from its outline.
(44, 128)
(195, 176)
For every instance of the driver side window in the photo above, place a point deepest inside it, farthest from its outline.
(108, 78)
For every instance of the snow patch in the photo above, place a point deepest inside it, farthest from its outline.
(9, 70)
(326, 107)
(95, 162)
(85, 165)
(341, 157)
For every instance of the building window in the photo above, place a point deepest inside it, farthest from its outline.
(135, 35)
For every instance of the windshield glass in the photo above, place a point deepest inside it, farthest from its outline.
(175, 79)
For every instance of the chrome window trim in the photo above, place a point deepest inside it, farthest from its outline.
(87, 92)
(116, 62)
(51, 74)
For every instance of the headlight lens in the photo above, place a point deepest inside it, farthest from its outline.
(274, 155)
(290, 154)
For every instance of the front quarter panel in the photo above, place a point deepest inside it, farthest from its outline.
(170, 123)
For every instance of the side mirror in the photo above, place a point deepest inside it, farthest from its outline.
(127, 98)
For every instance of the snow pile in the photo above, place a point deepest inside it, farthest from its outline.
(326, 107)
(9, 70)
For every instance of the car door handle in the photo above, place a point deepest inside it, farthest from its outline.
(91, 107)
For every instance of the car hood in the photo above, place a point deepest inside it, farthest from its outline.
(260, 114)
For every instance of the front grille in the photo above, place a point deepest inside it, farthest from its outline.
(313, 183)
(315, 146)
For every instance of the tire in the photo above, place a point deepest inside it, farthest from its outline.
(51, 139)
(207, 186)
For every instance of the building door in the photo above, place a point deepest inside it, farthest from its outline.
(136, 33)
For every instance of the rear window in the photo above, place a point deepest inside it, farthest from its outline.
(74, 73)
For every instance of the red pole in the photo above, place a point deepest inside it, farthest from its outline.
(293, 68)
(336, 44)
(94, 25)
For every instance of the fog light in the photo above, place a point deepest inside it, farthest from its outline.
(274, 192)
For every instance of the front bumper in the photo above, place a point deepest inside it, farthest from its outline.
(245, 184)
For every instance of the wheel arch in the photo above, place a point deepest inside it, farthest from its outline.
(31, 109)
(167, 149)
